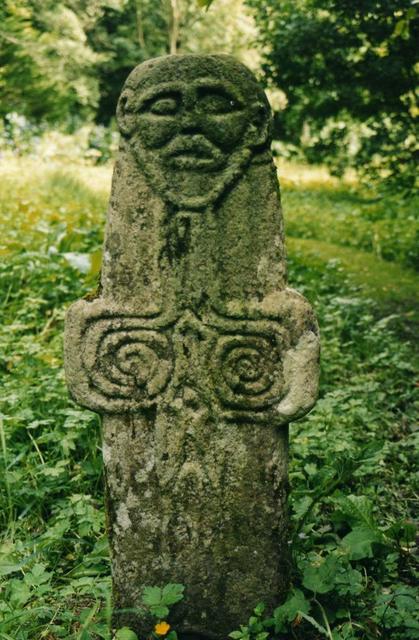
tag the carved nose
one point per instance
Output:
(190, 122)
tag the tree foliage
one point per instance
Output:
(47, 67)
(349, 72)
(131, 31)
(66, 61)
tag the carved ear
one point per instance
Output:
(124, 113)
(259, 130)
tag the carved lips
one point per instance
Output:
(193, 153)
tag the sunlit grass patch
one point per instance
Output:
(382, 281)
(321, 207)
(299, 175)
(50, 207)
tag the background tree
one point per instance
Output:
(65, 62)
(47, 67)
(131, 31)
(349, 72)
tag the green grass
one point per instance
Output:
(341, 213)
(385, 282)
(352, 459)
(394, 288)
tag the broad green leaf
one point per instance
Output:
(151, 596)
(295, 604)
(19, 593)
(7, 565)
(320, 577)
(37, 576)
(359, 542)
(9, 559)
(349, 581)
(159, 610)
(125, 634)
(172, 593)
(356, 510)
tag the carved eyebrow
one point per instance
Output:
(163, 96)
(207, 87)
(162, 90)
(228, 101)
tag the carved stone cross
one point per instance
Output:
(195, 352)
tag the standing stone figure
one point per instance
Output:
(195, 352)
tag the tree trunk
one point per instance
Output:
(174, 26)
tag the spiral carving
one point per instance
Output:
(247, 371)
(127, 364)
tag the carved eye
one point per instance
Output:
(163, 106)
(217, 102)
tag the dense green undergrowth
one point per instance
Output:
(352, 465)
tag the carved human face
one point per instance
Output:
(194, 134)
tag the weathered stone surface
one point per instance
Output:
(195, 352)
